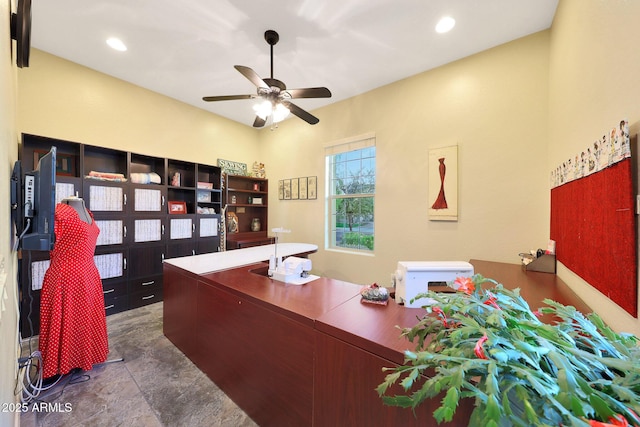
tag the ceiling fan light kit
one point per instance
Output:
(275, 104)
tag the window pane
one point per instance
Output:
(352, 177)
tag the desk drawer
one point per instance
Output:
(114, 289)
(147, 284)
(140, 299)
(113, 305)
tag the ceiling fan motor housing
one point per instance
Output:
(271, 37)
(275, 83)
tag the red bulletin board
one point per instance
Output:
(594, 225)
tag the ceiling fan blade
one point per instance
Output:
(227, 97)
(310, 92)
(252, 76)
(304, 115)
(259, 122)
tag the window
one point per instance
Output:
(351, 183)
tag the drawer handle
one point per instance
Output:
(109, 306)
(162, 200)
(148, 297)
(125, 199)
(125, 231)
(148, 283)
(108, 291)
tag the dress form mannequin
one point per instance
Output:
(78, 204)
(73, 330)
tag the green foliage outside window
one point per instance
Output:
(351, 192)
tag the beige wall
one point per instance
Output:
(8, 261)
(594, 82)
(492, 105)
(61, 99)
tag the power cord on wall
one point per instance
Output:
(29, 383)
(32, 385)
(30, 378)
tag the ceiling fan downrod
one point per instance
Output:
(272, 38)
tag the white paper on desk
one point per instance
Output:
(302, 280)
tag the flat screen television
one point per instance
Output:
(39, 205)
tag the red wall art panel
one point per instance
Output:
(594, 225)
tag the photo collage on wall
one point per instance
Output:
(613, 147)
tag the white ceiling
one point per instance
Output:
(187, 49)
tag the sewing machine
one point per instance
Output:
(290, 270)
(413, 277)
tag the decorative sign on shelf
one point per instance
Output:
(232, 168)
(259, 170)
(304, 188)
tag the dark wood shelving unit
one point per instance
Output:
(247, 198)
(137, 230)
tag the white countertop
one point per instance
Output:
(216, 261)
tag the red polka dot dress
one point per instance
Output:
(73, 329)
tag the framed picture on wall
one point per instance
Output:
(281, 189)
(312, 187)
(302, 186)
(287, 189)
(295, 189)
(442, 170)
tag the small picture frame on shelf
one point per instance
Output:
(177, 207)
(207, 185)
(256, 201)
(65, 163)
(204, 196)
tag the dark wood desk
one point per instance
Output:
(252, 336)
(355, 341)
(534, 286)
(311, 354)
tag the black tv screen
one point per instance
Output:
(40, 204)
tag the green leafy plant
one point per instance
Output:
(488, 345)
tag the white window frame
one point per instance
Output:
(340, 147)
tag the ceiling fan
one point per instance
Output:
(277, 98)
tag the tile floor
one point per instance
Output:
(155, 385)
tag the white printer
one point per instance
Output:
(413, 278)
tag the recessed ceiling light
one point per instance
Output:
(445, 24)
(116, 44)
